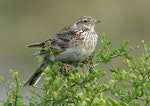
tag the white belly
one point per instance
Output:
(74, 54)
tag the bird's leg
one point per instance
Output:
(65, 67)
(88, 64)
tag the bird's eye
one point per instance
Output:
(85, 21)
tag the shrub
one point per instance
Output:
(116, 85)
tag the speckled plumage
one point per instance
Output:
(73, 43)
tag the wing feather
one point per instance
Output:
(58, 43)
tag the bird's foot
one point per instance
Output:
(65, 68)
(88, 64)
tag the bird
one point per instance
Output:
(73, 44)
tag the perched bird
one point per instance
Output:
(73, 44)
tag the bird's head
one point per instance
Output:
(86, 23)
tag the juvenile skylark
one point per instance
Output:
(73, 44)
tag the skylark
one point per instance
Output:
(73, 44)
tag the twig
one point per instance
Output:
(16, 96)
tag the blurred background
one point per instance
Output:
(28, 21)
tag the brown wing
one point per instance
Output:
(58, 43)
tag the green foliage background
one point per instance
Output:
(93, 86)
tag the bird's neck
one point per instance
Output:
(91, 29)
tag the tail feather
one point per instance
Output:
(36, 45)
(37, 74)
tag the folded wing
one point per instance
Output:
(59, 43)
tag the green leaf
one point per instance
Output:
(112, 102)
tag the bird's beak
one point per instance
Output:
(97, 21)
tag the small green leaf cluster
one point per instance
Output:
(14, 96)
